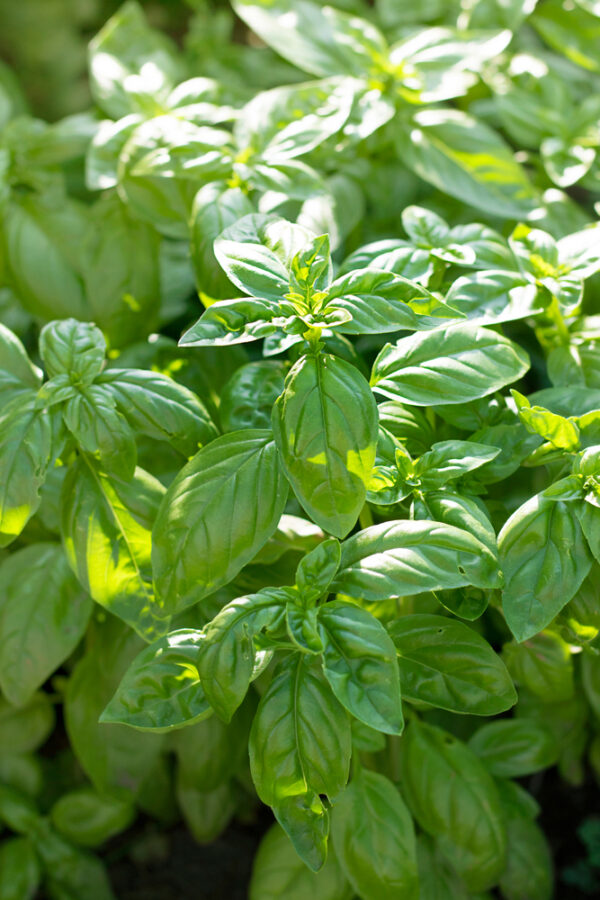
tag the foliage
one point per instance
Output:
(300, 444)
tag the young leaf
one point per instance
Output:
(448, 365)
(73, 348)
(448, 460)
(217, 514)
(448, 665)
(359, 662)
(161, 689)
(317, 569)
(373, 835)
(325, 426)
(396, 559)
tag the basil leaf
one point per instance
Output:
(158, 407)
(448, 665)
(462, 157)
(448, 460)
(37, 637)
(448, 365)
(299, 747)
(228, 654)
(359, 662)
(161, 689)
(545, 559)
(542, 665)
(512, 748)
(73, 348)
(233, 492)
(100, 430)
(20, 871)
(115, 758)
(325, 427)
(323, 40)
(106, 529)
(232, 322)
(14, 362)
(374, 838)
(397, 559)
(317, 569)
(453, 798)
(249, 395)
(88, 819)
(30, 440)
(279, 872)
(121, 53)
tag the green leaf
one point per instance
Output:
(248, 397)
(72, 348)
(320, 40)
(490, 297)
(459, 511)
(70, 872)
(279, 872)
(232, 322)
(562, 433)
(545, 559)
(14, 361)
(448, 665)
(317, 569)
(448, 460)
(246, 254)
(88, 819)
(206, 813)
(373, 835)
(589, 519)
(359, 662)
(228, 654)
(529, 872)
(211, 752)
(454, 799)
(161, 689)
(43, 616)
(543, 666)
(325, 426)
(448, 365)
(159, 407)
(106, 529)
(513, 748)
(217, 514)
(573, 32)
(381, 301)
(122, 271)
(100, 430)
(30, 441)
(396, 559)
(41, 243)
(437, 878)
(25, 728)
(465, 158)
(130, 63)
(215, 208)
(300, 747)
(115, 758)
(20, 873)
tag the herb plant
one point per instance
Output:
(300, 445)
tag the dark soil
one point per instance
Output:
(149, 864)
